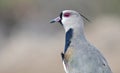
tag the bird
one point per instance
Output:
(79, 55)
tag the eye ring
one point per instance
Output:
(66, 14)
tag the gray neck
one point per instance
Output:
(78, 36)
(74, 33)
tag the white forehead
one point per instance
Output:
(70, 11)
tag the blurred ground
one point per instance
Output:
(30, 44)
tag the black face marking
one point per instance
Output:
(61, 15)
(61, 18)
(68, 37)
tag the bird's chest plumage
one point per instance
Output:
(67, 58)
(68, 55)
(70, 60)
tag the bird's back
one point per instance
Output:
(86, 59)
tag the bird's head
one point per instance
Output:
(69, 19)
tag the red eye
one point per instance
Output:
(67, 14)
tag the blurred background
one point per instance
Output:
(30, 44)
